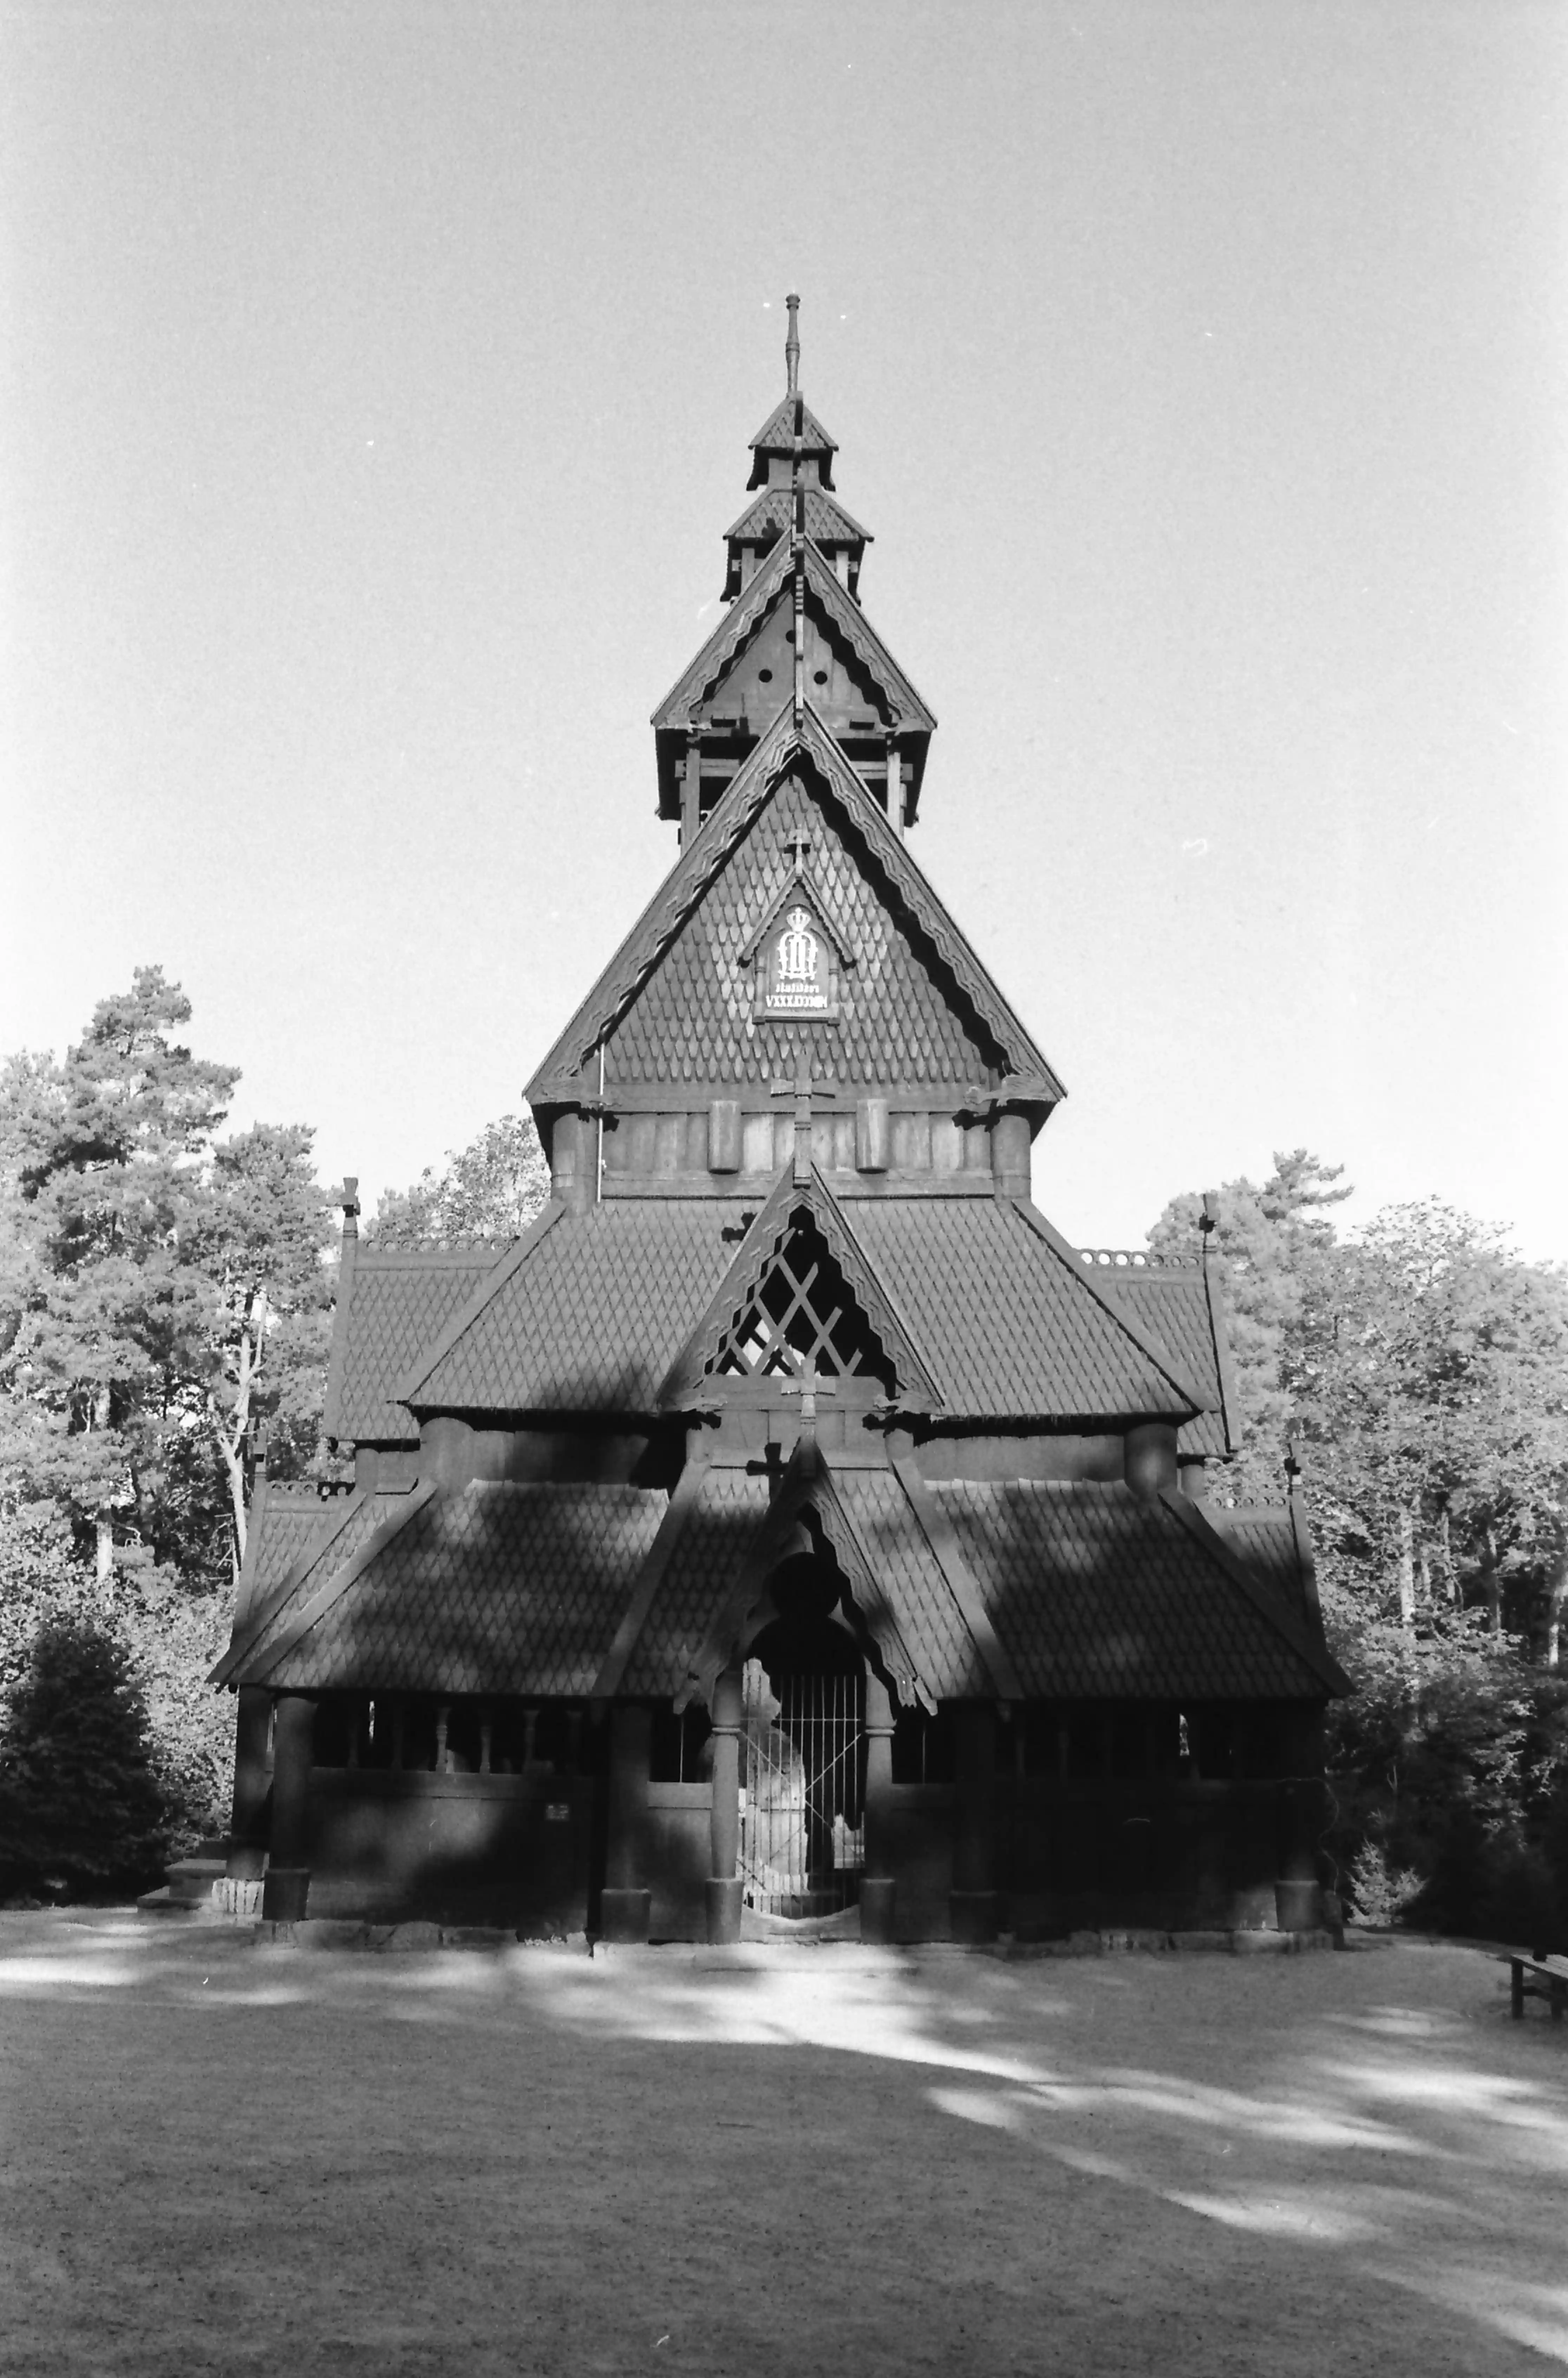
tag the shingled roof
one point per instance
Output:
(825, 522)
(503, 1589)
(1101, 1594)
(349, 1523)
(957, 1025)
(1178, 1303)
(284, 1525)
(777, 434)
(1010, 1326)
(745, 616)
(590, 1314)
(393, 1306)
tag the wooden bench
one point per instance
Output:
(1550, 1981)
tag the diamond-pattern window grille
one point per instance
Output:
(802, 1316)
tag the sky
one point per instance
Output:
(376, 388)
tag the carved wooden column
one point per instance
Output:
(723, 1886)
(972, 1901)
(287, 1887)
(625, 1901)
(877, 1883)
(253, 1783)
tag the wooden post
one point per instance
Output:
(1150, 1457)
(691, 792)
(253, 1783)
(877, 1881)
(972, 1900)
(625, 1902)
(1009, 1153)
(287, 1887)
(724, 1887)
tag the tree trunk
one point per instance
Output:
(1493, 1583)
(1407, 1572)
(103, 1528)
(1556, 1593)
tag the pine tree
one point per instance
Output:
(79, 1803)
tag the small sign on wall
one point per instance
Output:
(557, 1812)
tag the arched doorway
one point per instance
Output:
(802, 1827)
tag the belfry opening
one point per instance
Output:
(792, 1529)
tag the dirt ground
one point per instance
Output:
(219, 2157)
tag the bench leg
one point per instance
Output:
(1517, 1970)
(1559, 1990)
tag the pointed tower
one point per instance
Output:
(793, 633)
(791, 1528)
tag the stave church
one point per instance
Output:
(791, 1533)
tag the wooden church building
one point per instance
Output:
(791, 1531)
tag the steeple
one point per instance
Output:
(791, 461)
(793, 633)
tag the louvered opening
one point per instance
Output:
(802, 1317)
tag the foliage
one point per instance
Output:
(171, 1636)
(1419, 1369)
(159, 1294)
(1378, 1896)
(492, 1189)
(80, 1807)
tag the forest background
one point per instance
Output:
(165, 1302)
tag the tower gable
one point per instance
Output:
(677, 1004)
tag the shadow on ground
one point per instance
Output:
(220, 2157)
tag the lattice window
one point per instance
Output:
(802, 1315)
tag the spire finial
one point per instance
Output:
(792, 347)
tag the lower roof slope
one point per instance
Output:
(1090, 1592)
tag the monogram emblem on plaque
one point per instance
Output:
(795, 972)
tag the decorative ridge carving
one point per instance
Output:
(1137, 1259)
(725, 641)
(868, 646)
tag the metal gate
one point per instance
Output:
(802, 1833)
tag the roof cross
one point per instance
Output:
(798, 844)
(809, 1387)
(802, 1088)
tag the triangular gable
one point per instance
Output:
(693, 1374)
(745, 619)
(895, 878)
(808, 1492)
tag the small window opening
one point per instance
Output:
(682, 1748)
(764, 676)
(923, 1750)
(819, 676)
